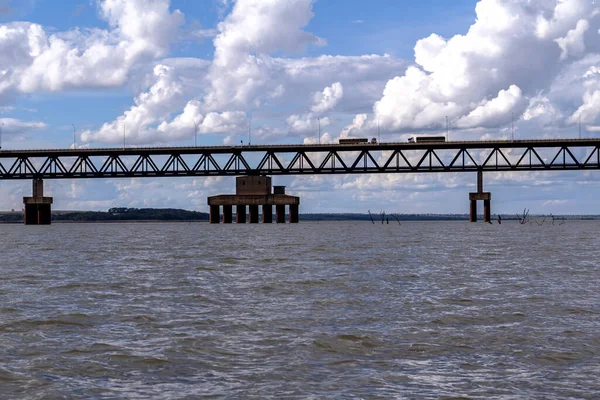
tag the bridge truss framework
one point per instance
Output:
(523, 155)
(364, 158)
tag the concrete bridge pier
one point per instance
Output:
(280, 214)
(486, 197)
(251, 193)
(487, 210)
(214, 215)
(38, 209)
(253, 213)
(227, 214)
(473, 213)
(294, 215)
(267, 214)
(240, 214)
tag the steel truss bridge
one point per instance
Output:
(469, 156)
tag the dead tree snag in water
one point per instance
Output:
(371, 217)
(523, 219)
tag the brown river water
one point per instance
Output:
(426, 310)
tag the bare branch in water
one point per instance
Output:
(523, 219)
(544, 220)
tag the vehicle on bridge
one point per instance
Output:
(357, 140)
(426, 139)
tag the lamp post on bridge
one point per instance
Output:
(249, 131)
(319, 119)
(195, 134)
(447, 130)
(74, 130)
(1, 125)
(512, 126)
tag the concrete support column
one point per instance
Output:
(473, 215)
(37, 214)
(38, 209)
(280, 214)
(267, 214)
(215, 215)
(253, 214)
(487, 211)
(479, 181)
(38, 188)
(294, 217)
(486, 197)
(240, 214)
(227, 214)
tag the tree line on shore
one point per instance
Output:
(172, 214)
(118, 214)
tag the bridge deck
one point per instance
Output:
(287, 148)
(302, 159)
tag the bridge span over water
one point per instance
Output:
(300, 159)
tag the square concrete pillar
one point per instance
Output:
(227, 214)
(267, 214)
(38, 188)
(280, 214)
(473, 214)
(294, 216)
(240, 214)
(253, 211)
(38, 209)
(215, 215)
(37, 214)
(487, 211)
(486, 197)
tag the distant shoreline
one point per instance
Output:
(148, 215)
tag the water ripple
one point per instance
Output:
(422, 310)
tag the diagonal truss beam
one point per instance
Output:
(273, 160)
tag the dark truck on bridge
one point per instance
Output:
(426, 139)
(357, 140)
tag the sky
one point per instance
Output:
(85, 72)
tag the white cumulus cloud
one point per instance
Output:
(494, 112)
(34, 60)
(12, 125)
(328, 98)
(513, 51)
